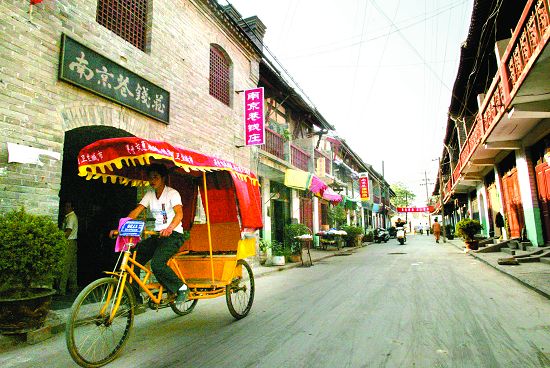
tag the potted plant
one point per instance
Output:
(291, 231)
(369, 236)
(278, 253)
(354, 235)
(337, 215)
(264, 246)
(467, 229)
(32, 249)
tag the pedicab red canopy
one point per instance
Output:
(123, 161)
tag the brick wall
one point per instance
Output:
(36, 109)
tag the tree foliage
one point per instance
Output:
(403, 195)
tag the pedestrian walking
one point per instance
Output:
(436, 229)
(427, 229)
(70, 227)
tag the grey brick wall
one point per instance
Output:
(36, 109)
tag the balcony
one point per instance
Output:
(299, 158)
(512, 85)
(274, 144)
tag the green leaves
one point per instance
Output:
(403, 196)
(32, 248)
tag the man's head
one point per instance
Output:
(156, 174)
(68, 207)
(435, 219)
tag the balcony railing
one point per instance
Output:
(274, 144)
(299, 158)
(526, 44)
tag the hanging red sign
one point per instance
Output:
(364, 186)
(415, 209)
(254, 122)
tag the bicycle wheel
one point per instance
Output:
(91, 339)
(183, 308)
(239, 294)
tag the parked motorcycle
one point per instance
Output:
(401, 235)
(381, 235)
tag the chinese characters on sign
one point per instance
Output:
(364, 186)
(254, 127)
(415, 209)
(87, 69)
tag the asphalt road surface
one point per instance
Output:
(417, 305)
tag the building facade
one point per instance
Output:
(495, 157)
(77, 71)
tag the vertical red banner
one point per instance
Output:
(364, 186)
(254, 121)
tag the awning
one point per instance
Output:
(299, 179)
(330, 195)
(350, 203)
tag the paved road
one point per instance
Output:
(417, 305)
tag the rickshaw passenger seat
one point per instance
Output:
(225, 237)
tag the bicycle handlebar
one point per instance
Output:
(145, 232)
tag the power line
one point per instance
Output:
(392, 29)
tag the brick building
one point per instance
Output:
(191, 51)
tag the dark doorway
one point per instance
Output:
(98, 206)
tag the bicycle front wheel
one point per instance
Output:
(93, 337)
(239, 294)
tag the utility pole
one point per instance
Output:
(441, 198)
(426, 183)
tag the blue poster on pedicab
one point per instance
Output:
(131, 228)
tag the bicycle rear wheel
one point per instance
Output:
(239, 294)
(93, 340)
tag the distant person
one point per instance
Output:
(499, 222)
(400, 223)
(427, 228)
(70, 227)
(436, 229)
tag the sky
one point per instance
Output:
(380, 71)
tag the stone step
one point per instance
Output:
(524, 245)
(545, 260)
(508, 250)
(529, 259)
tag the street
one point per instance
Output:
(418, 305)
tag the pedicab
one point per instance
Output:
(211, 262)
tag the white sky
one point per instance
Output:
(380, 71)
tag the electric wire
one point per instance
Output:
(392, 29)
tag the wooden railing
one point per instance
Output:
(299, 158)
(274, 144)
(526, 44)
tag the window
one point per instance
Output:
(126, 18)
(220, 75)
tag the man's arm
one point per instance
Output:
(136, 211)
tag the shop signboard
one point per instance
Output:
(364, 186)
(415, 209)
(254, 121)
(87, 69)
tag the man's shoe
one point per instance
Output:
(182, 295)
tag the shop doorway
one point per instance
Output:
(98, 206)
(512, 203)
(543, 188)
